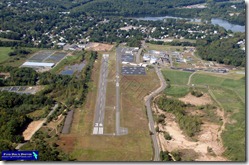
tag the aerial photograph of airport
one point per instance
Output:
(123, 81)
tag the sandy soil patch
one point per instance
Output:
(208, 137)
(32, 128)
(203, 100)
(99, 46)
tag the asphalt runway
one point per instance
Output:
(118, 60)
(119, 130)
(98, 128)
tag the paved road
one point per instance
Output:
(139, 52)
(100, 105)
(150, 116)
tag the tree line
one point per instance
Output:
(189, 124)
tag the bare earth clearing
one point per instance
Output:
(208, 137)
(32, 128)
(204, 100)
(99, 46)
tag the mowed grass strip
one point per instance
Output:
(4, 53)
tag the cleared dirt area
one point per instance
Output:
(31, 129)
(206, 147)
(203, 100)
(99, 46)
(207, 138)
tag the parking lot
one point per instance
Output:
(41, 56)
(47, 56)
(56, 57)
(133, 70)
(127, 58)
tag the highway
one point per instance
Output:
(98, 128)
(150, 116)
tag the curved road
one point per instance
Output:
(150, 116)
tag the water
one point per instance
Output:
(227, 25)
(215, 21)
(165, 17)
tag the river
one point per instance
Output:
(215, 21)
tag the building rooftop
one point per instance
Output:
(38, 64)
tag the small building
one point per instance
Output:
(153, 60)
(146, 58)
(61, 44)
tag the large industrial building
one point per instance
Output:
(38, 64)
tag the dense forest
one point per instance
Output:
(133, 7)
(13, 119)
(223, 10)
(225, 51)
(215, 8)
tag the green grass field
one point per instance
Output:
(234, 135)
(4, 51)
(177, 91)
(176, 77)
(163, 47)
(229, 92)
(14, 61)
(185, 40)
